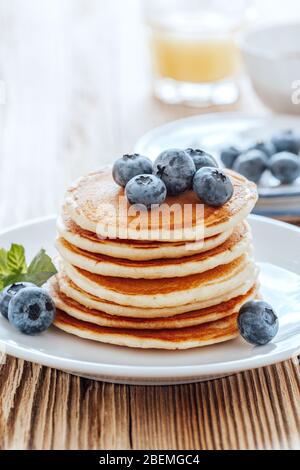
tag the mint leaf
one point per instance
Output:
(40, 269)
(11, 279)
(41, 263)
(3, 262)
(38, 279)
(13, 267)
(16, 262)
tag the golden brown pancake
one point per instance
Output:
(92, 302)
(136, 250)
(173, 277)
(182, 338)
(233, 248)
(164, 292)
(76, 310)
(97, 204)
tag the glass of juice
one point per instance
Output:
(193, 47)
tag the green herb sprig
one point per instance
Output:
(13, 267)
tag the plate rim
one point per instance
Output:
(211, 116)
(141, 371)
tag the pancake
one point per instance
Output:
(182, 338)
(97, 204)
(74, 309)
(74, 292)
(155, 293)
(237, 244)
(136, 250)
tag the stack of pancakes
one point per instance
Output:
(155, 286)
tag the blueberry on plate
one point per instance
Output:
(229, 155)
(257, 322)
(212, 186)
(251, 164)
(7, 294)
(267, 147)
(285, 166)
(201, 158)
(286, 141)
(146, 190)
(128, 166)
(31, 310)
(176, 168)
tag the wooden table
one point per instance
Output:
(77, 85)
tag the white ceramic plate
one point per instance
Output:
(212, 132)
(278, 251)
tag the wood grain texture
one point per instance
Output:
(78, 86)
(42, 408)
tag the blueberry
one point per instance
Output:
(128, 166)
(285, 166)
(146, 190)
(7, 294)
(257, 322)
(201, 158)
(213, 186)
(251, 164)
(267, 147)
(176, 168)
(31, 310)
(229, 155)
(287, 141)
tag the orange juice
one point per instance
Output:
(194, 49)
(194, 60)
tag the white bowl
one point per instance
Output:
(272, 57)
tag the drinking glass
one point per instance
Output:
(193, 48)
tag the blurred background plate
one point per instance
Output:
(212, 132)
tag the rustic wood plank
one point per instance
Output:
(41, 408)
(49, 409)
